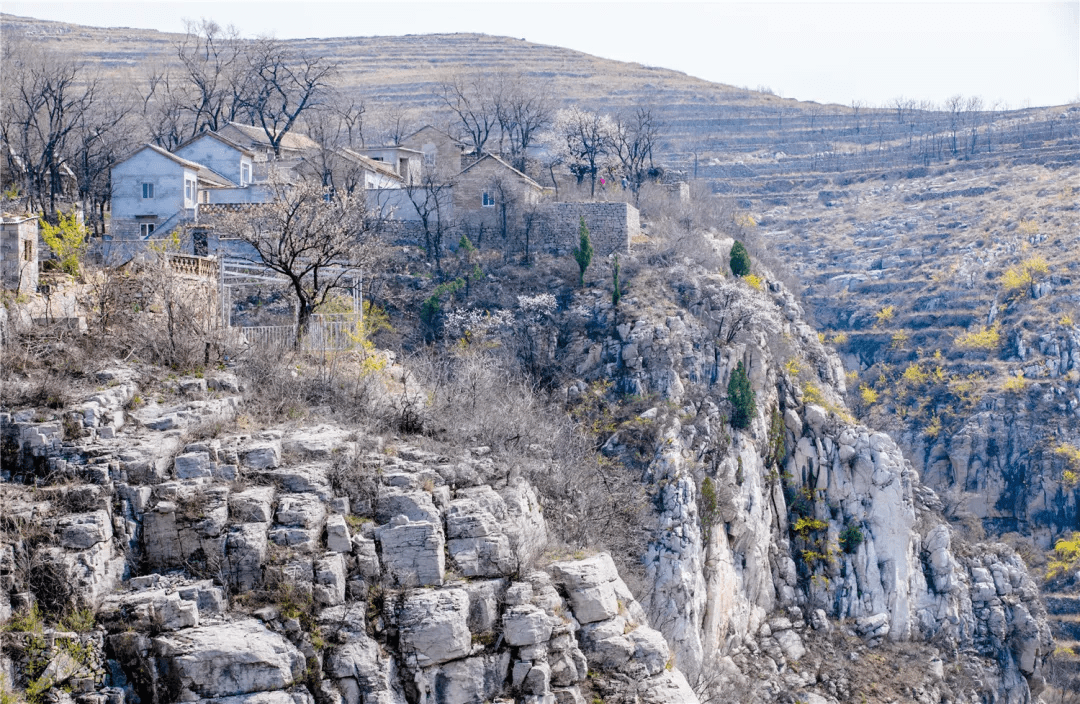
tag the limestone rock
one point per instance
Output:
(525, 625)
(434, 626)
(85, 530)
(245, 553)
(300, 510)
(193, 465)
(412, 553)
(475, 679)
(590, 583)
(330, 580)
(474, 539)
(337, 534)
(254, 505)
(265, 455)
(228, 660)
(416, 505)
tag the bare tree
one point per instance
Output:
(856, 110)
(214, 70)
(286, 84)
(45, 98)
(523, 109)
(508, 203)
(634, 138)
(954, 106)
(734, 316)
(163, 107)
(474, 101)
(349, 112)
(973, 109)
(102, 136)
(431, 197)
(903, 107)
(317, 240)
(336, 127)
(389, 124)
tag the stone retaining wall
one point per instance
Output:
(611, 226)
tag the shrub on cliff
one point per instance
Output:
(742, 398)
(583, 253)
(740, 259)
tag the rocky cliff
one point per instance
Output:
(803, 513)
(785, 561)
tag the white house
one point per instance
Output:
(406, 163)
(221, 155)
(155, 191)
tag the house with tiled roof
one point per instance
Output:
(253, 138)
(155, 191)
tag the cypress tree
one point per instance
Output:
(740, 259)
(617, 293)
(583, 253)
(742, 398)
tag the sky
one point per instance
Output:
(1016, 54)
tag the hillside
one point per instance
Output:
(923, 211)
(553, 502)
(919, 276)
(402, 73)
(713, 131)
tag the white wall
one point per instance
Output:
(250, 194)
(217, 156)
(128, 177)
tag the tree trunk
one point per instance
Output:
(303, 312)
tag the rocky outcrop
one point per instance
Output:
(298, 564)
(262, 586)
(1000, 465)
(228, 660)
(806, 513)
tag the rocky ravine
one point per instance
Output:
(714, 591)
(316, 563)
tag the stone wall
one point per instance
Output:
(19, 254)
(611, 226)
(552, 228)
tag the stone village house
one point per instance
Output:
(155, 192)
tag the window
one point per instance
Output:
(245, 174)
(148, 190)
(204, 196)
(146, 229)
(28, 250)
(189, 190)
(489, 200)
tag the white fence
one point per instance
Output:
(325, 333)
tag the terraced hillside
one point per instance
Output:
(953, 295)
(715, 131)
